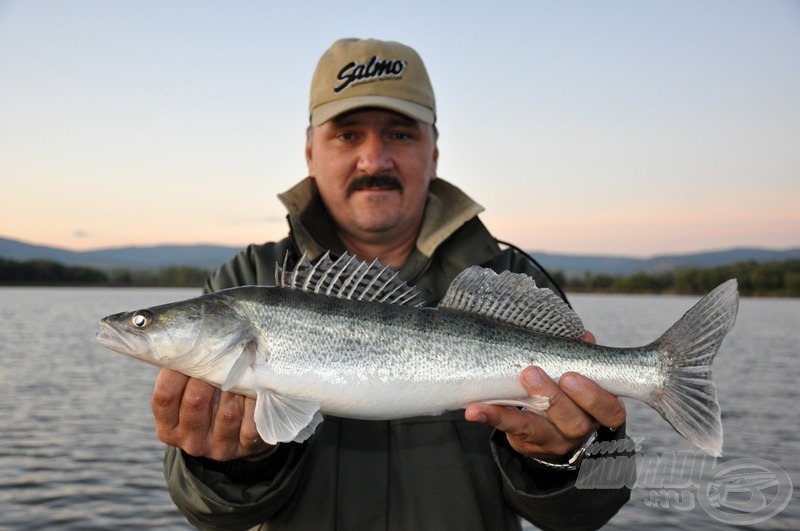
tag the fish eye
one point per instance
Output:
(142, 318)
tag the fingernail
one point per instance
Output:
(569, 382)
(471, 416)
(533, 377)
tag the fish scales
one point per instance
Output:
(389, 371)
(302, 353)
(307, 332)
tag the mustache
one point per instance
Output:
(386, 182)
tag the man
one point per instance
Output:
(372, 191)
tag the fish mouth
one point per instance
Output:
(112, 338)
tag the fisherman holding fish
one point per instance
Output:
(373, 192)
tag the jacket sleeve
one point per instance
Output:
(556, 499)
(210, 499)
(236, 494)
(254, 266)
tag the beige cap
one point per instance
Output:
(355, 73)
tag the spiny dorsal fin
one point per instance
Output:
(348, 278)
(513, 298)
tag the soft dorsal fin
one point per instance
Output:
(348, 278)
(513, 298)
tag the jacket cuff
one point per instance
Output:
(532, 477)
(244, 472)
(211, 500)
(551, 499)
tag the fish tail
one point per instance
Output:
(688, 399)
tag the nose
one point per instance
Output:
(374, 156)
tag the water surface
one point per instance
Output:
(78, 449)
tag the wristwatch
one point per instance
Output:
(575, 461)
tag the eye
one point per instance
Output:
(142, 318)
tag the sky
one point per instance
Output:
(617, 128)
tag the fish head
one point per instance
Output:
(178, 335)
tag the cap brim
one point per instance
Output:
(328, 111)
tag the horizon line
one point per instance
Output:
(529, 251)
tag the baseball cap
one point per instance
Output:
(357, 73)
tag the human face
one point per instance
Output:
(372, 168)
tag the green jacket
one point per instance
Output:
(417, 473)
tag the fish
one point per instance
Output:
(350, 339)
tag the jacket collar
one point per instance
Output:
(447, 209)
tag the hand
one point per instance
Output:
(204, 421)
(578, 406)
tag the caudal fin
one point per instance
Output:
(688, 398)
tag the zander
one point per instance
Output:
(348, 338)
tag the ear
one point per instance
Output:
(435, 162)
(309, 151)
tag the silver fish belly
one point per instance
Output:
(347, 338)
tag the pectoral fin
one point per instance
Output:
(245, 361)
(283, 419)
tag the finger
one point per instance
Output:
(226, 423)
(249, 433)
(603, 406)
(522, 425)
(167, 394)
(569, 418)
(253, 445)
(589, 337)
(233, 434)
(196, 416)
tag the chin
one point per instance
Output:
(379, 223)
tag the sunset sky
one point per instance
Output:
(624, 127)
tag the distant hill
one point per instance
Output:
(156, 257)
(211, 256)
(576, 265)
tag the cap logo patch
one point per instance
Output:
(375, 69)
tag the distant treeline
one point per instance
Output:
(774, 279)
(759, 279)
(50, 273)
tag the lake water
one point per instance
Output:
(78, 450)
